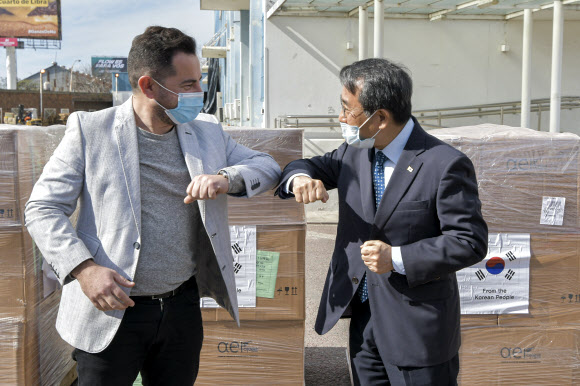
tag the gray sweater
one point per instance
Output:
(169, 228)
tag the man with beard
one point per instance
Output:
(142, 255)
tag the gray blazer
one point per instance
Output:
(97, 166)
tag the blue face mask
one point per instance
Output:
(189, 105)
(351, 135)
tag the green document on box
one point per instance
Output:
(266, 273)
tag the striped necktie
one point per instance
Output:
(379, 185)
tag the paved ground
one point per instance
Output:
(325, 359)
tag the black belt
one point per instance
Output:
(166, 294)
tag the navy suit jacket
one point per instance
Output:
(431, 209)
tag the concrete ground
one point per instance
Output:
(325, 356)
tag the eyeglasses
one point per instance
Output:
(349, 111)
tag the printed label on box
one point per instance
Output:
(552, 210)
(500, 283)
(243, 240)
(267, 272)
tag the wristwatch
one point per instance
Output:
(225, 174)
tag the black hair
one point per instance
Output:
(152, 53)
(382, 84)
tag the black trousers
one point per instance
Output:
(162, 340)
(369, 369)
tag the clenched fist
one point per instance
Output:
(307, 190)
(377, 256)
(206, 186)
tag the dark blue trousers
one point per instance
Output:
(369, 369)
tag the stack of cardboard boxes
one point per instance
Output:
(32, 351)
(268, 347)
(516, 168)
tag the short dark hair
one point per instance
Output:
(152, 52)
(383, 85)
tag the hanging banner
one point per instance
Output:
(500, 283)
(243, 240)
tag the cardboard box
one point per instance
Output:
(478, 321)
(23, 154)
(284, 145)
(20, 268)
(9, 211)
(554, 283)
(32, 351)
(289, 299)
(516, 168)
(519, 356)
(15, 351)
(257, 353)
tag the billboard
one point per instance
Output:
(107, 65)
(33, 19)
(8, 42)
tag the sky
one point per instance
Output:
(107, 27)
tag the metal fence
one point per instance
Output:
(433, 118)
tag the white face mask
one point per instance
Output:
(351, 135)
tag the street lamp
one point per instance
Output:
(41, 113)
(116, 87)
(71, 74)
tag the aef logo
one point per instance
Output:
(236, 347)
(519, 353)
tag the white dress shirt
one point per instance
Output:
(393, 152)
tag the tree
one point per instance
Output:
(84, 82)
(28, 85)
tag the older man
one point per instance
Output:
(409, 218)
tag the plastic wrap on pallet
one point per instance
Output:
(281, 277)
(528, 184)
(257, 353)
(280, 229)
(520, 356)
(284, 145)
(33, 353)
(516, 168)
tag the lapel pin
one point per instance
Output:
(410, 169)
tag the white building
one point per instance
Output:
(283, 57)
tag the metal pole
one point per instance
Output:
(379, 28)
(116, 89)
(557, 43)
(527, 69)
(539, 117)
(41, 115)
(363, 19)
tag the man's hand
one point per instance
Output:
(206, 186)
(307, 190)
(377, 256)
(101, 286)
